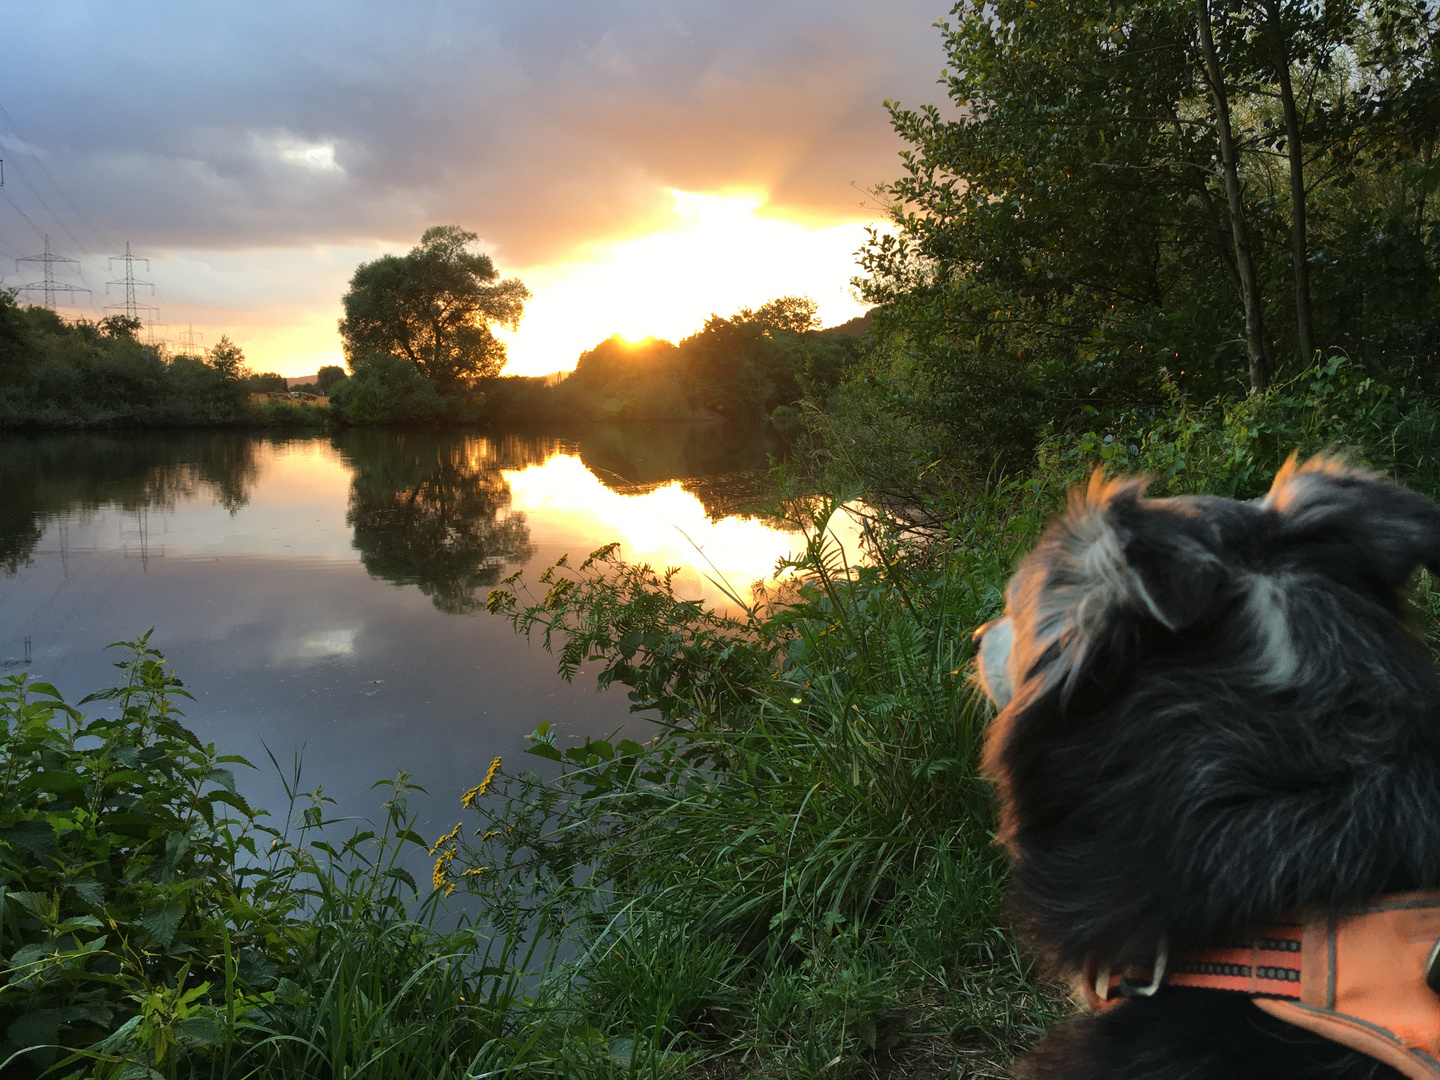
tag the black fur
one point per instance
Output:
(1216, 718)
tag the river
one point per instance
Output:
(324, 597)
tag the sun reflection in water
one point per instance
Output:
(667, 526)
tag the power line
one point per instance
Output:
(16, 207)
(104, 240)
(79, 246)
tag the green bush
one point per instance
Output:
(386, 389)
(120, 898)
(1233, 446)
(153, 925)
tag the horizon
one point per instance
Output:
(639, 166)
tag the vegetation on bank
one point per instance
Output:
(756, 363)
(84, 375)
(794, 877)
(1130, 199)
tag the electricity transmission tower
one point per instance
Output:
(49, 286)
(191, 341)
(130, 307)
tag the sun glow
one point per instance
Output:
(723, 255)
(665, 527)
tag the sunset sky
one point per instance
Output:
(638, 164)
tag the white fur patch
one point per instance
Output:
(1265, 611)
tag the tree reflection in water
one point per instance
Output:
(48, 477)
(725, 466)
(433, 511)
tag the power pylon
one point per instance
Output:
(190, 342)
(156, 339)
(130, 307)
(49, 287)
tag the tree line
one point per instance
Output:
(59, 373)
(1126, 199)
(419, 342)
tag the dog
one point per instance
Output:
(1215, 716)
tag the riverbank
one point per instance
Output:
(793, 877)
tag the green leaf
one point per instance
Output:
(162, 923)
(92, 892)
(399, 873)
(36, 837)
(197, 1031)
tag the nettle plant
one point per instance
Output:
(120, 902)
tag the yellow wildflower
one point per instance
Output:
(441, 879)
(478, 791)
(449, 836)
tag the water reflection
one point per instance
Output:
(265, 566)
(48, 478)
(723, 465)
(446, 513)
(433, 512)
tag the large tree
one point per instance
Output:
(435, 307)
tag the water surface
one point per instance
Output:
(328, 593)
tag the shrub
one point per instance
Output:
(119, 892)
(386, 389)
(153, 925)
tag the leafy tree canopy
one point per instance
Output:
(328, 376)
(1122, 193)
(434, 307)
(227, 358)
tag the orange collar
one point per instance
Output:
(1370, 981)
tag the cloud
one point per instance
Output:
(543, 126)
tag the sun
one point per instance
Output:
(722, 254)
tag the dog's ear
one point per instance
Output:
(1117, 552)
(1112, 564)
(1354, 520)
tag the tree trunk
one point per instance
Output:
(1207, 203)
(1299, 245)
(1244, 262)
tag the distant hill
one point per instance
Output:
(856, 327)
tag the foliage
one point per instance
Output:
(119, 839)
(153, 925)
(327, 377)
(1233, 446)
(59, 374)
(386, 389)
(227, 359)
(1063, 233)
(433, 307)
(803, 847)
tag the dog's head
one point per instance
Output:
(1161, 660)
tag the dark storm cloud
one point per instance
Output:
(540, 125)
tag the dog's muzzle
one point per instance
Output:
(993, 642)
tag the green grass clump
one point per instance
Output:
(796, 875)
